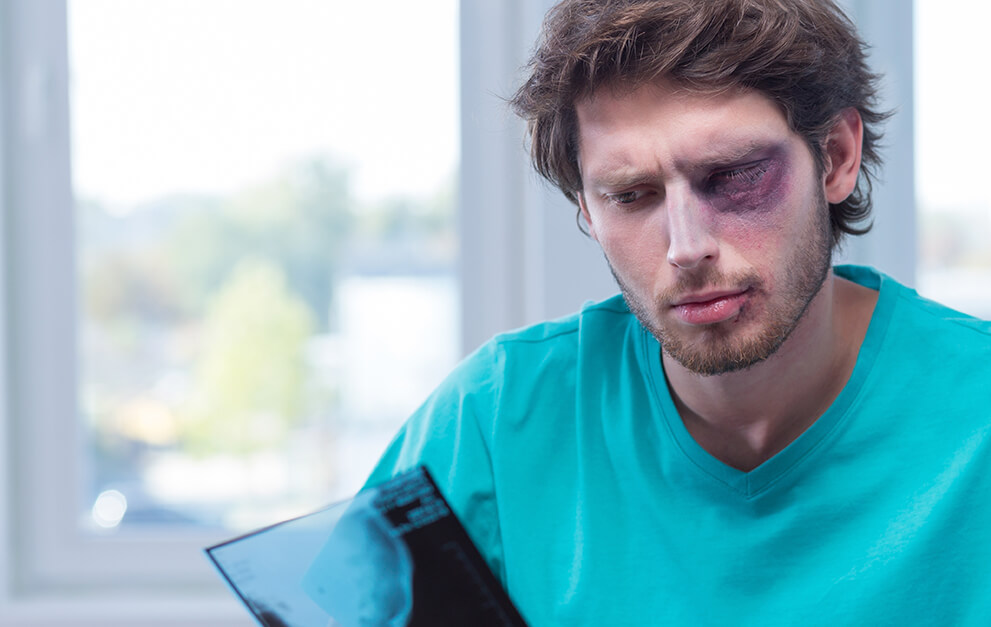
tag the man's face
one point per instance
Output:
(711, 214)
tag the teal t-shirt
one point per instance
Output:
(560, 448)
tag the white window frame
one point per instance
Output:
(51, 572)
(523, 259)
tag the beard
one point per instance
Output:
(729, 346)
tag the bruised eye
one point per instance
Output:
(738, 178)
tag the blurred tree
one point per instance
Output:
(251, 379)
(299, 221)
(198, 289)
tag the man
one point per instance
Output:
(748, 435)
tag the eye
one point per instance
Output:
(735, 179)
(626, 199)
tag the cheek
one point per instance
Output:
(757, 236)
(635, 252)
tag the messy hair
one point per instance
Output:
(805, 55)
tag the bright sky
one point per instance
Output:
(208, 95)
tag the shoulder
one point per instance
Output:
(925, 355)
(928, 313)
(596, 326)
(926, 322)
(526, 372)
(590, 319)
(917, 319)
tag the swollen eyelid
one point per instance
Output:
(748, 174)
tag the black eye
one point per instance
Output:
(741, 177)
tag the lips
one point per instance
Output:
(710, 307)
(707, 297)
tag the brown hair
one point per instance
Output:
(805, 55)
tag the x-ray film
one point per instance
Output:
(395, 555)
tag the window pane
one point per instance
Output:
(266, 247)
(953, 132)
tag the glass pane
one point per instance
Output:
(266, 247)
(953, 131)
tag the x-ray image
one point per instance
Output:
(395, 555)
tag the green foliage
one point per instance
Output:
(299, 221)
(251, 380)
(206, 303)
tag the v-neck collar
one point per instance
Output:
(751, 484)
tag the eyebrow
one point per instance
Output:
(620, 177)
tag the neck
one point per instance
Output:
(744, 418)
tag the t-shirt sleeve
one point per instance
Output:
(446, 434)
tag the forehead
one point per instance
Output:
(666, 125)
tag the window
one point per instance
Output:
(953, 131)
(265, 236)
(248, 281)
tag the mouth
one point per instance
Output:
(706, 308)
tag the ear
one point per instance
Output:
(583, 208)
(842, 155)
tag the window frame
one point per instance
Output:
(888, 26)
(523, 260)
(49, 570)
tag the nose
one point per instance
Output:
(690, 238)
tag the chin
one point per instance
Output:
(729, 346)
